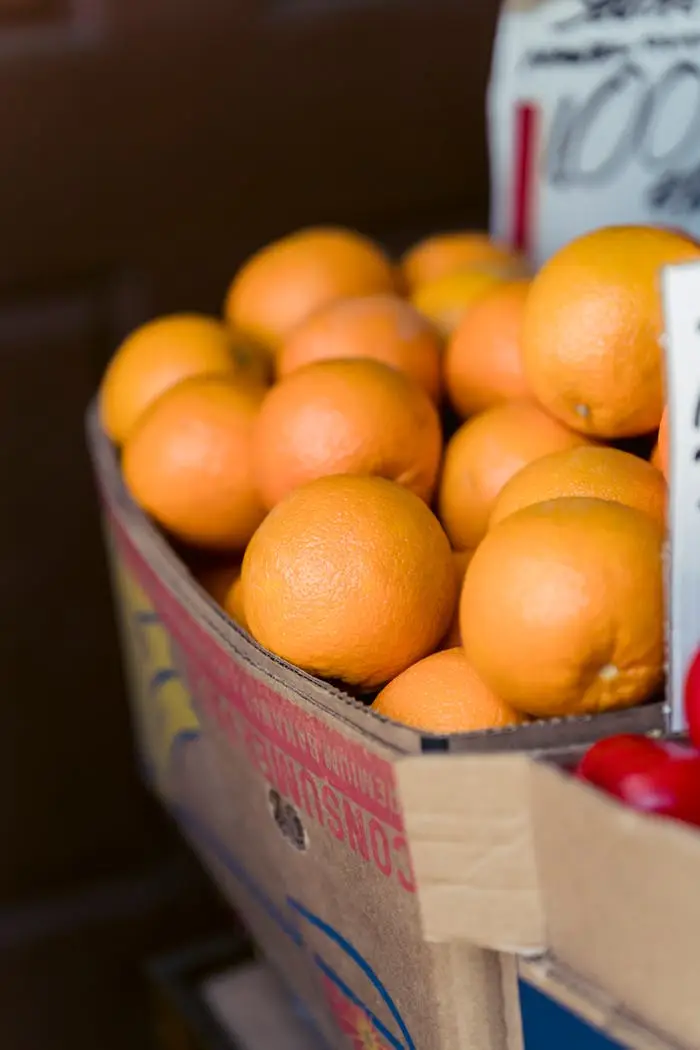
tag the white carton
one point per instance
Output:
(594, 118)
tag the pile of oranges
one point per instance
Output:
(507, 570)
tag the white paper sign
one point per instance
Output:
(681, 298)
(594, 118)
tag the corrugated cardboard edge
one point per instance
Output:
(592, 1004)
(468, 820)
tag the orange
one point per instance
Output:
(349, 578)
(562, 608)
(592, 327)
(223, 584)
(446, 300)
(483, 363)
(660, 454)
(483, 455)
(162, 353)
(444, 694)
(284, 283)
(383, 327)
(187, 462)
(346, 417)
(444, 253)
(605, 473)
(460, 562)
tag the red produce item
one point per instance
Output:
(648, 775)
(692, 699)
(670, 789)
(608, 761)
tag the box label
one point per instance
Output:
(681, 298)
(594, 118)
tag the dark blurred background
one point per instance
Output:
(146, 146)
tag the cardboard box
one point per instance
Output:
(622, 906)
(380, 869)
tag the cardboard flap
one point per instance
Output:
(468, 821)
(621, 897)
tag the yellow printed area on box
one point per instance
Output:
(161, 700)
